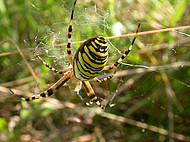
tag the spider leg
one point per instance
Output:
(91, 94)
(124, 55)
(108, 77)
(104, 79)
(50, 91)
(118, 62)
(69, 35)
(81, 97)
(50, 67)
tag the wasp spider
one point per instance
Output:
(89, 61)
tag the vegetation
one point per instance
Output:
(149, 94)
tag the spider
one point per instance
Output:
(89, 61)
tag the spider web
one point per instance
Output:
(139, 81)
(99, 21)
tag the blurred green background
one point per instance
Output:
(159, 97)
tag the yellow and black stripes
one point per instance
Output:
(104, 79)
(89, 61)
(127, 51)
(69, 35)
(117, 64)
(109, 76)
(50, 67)
(51, 90)
(90, 58)
(91, 94)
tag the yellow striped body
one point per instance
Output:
(90, 58)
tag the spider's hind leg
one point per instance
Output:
(50, 91)
(91, 94)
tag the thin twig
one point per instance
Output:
(170, 94)
(107, 38)
(134, 123)
(150, 32)
(23, 57)
(17, 82)
(152, 68)
(144, 126)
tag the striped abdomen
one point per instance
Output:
(90, 58)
